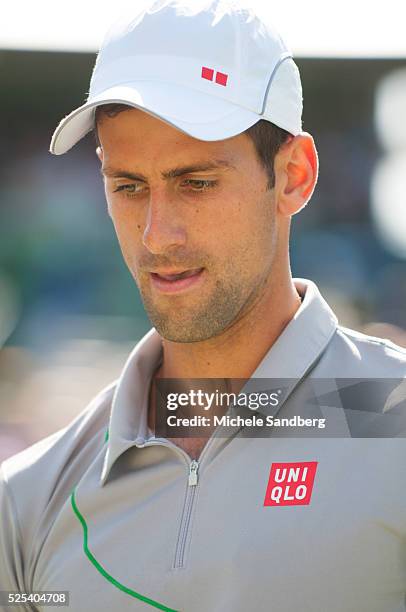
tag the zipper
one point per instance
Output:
(192, 483)
(186, 514)
(193, 469)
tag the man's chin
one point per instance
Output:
(191, 322)
(182, 331)
(181, 334)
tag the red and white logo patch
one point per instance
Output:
(208, 73)
(290, 484)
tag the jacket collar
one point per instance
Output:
(299, 346)
(128, 416)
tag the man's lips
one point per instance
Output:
(171, 281)
(176, 275)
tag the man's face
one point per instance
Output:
(216, 227)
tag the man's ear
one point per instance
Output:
(296, 172)
(99, 153)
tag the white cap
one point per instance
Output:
(211, 69)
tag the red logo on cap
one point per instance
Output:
(290, 484)
(208, 73)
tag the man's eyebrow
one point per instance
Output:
(214, 164)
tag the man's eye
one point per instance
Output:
(130, 188)
(200, 184)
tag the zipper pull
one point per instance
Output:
(194, 466)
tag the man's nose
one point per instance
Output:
(164, 228)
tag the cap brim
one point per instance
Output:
(197, 114)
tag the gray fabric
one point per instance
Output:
(214, 547)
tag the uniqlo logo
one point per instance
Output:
(290, 484)
(208, 73)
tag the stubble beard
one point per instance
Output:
(197, 322)
(202, 321)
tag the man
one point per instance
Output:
(197, 112)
